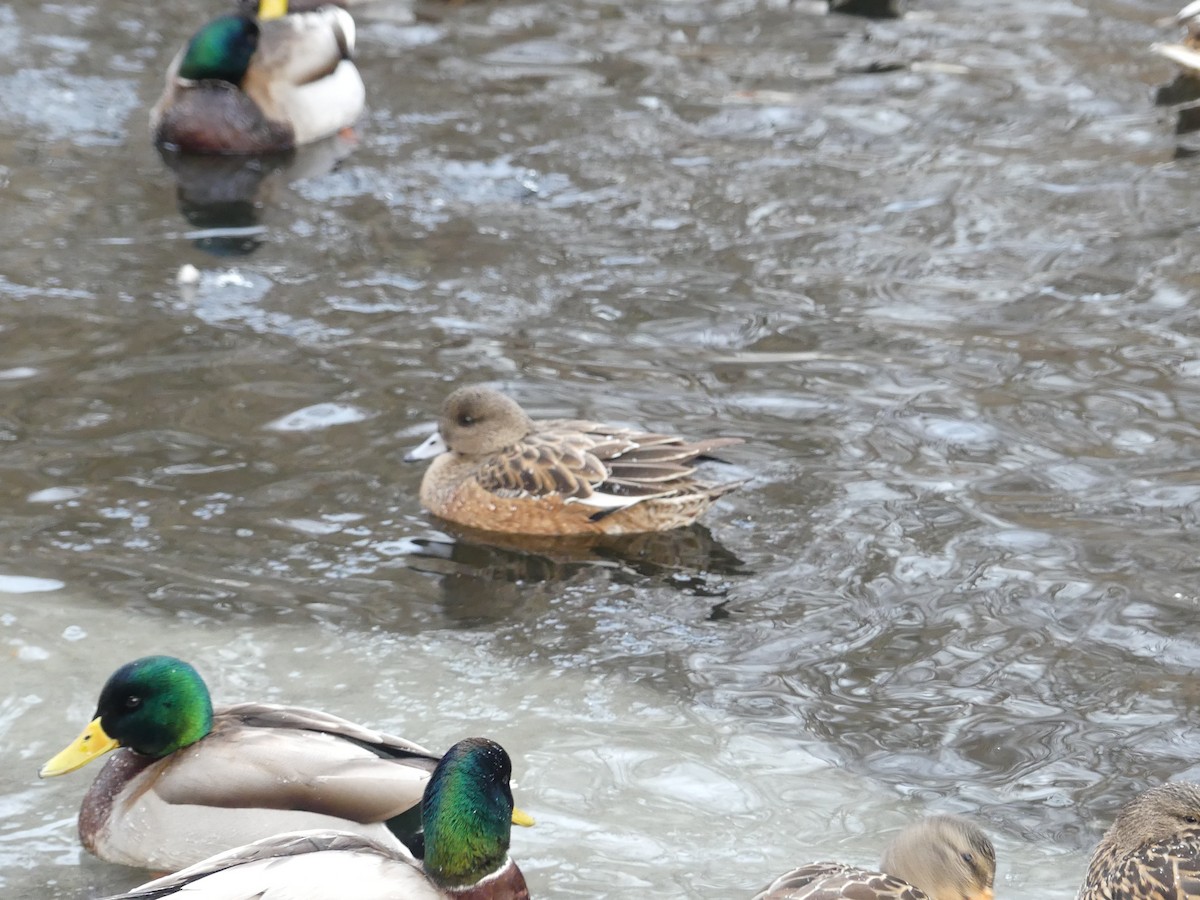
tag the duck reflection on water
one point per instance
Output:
(486, 576)
(224, 197)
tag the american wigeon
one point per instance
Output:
(261, 84)
(1152, 850)
(940, 858)
(496, 469)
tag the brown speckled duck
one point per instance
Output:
(939, 858)
(264, 83)
(1152, 850)
(468, 811)
(496, 469)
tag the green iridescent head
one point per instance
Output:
(221, 50)
(468, 813)
(155, 705)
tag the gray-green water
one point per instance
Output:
(949, 305)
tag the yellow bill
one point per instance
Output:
(271, 9)
(520, 817)
(91, 743)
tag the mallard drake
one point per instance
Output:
(939, 858)
(187, 781)
(246, 84)
(1187, 53)
(468, 810)
(496, 469)
(1152, 850)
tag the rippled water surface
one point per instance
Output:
(938, 272)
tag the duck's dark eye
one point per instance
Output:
(968, 858)
(466, 420)
(1191, 820)
(133, 701)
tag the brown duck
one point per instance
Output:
(496, 469)
(940, 858)
(1152, 850)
